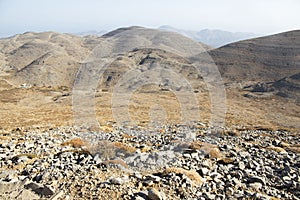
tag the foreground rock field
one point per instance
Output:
(168, 162)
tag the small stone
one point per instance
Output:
(97, 159)
(47, 191)
(154, 194)
(194, 155)
(142, 195)
(186, 155)
(204, 171)
(33, 186)
(138, 176)
(256, 186)
(210, 196)
(286, 178)
(241, 165)
(40, 189)
(57, 195)
(255, 179)
(119, 181)
(153, 178)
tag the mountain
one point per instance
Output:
(38, 72)
(44, 59)
(53, 59)
(212, 37)
(265, 59)
(92, 32)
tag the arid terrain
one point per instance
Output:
(178, 118)
(38, 72)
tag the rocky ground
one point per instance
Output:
(168, 162)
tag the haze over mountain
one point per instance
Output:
(212, 37)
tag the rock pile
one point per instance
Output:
(134, 163)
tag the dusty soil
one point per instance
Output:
(52, 107)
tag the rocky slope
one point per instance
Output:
(124, 163)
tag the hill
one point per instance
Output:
(265, 59)
(38, 70)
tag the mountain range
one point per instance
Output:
(212, 37)
(261, 75)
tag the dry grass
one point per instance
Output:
(276, 149)
(5, 137)
(124, 147)
(294, 148)
(28, 155)
(215, 153)
(124, 135)
(193, 175)
(35, 107)
(208, 148)
(76, 143)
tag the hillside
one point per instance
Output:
(265, 59)
(38, 71)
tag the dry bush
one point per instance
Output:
(276, 149)
(193, 175)
(4, 138)
(107, 129)
(76, 143)
(294, 148)
(208, 148)
(226, 160)
(284, 144)
(233, 133)
(215, 153)
(104, 148)
(124, 147)
(28, 155)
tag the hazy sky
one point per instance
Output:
(259, 16)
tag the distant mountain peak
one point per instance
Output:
(212, 37)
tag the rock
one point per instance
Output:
(47, 191)
(257, 179)
(256, 186)
(286, 178)
(119, 181)
(204, 171)
(241, 165)
(154, 194)
(142, 195)
(33, 186)
(7, 173)
(27, 195)
(9, 186)
(97, 159)
(153, 178)
(44, 190)
(209, 196)
(57, 195)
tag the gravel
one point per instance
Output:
(136, 163)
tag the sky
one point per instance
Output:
(73, 16)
